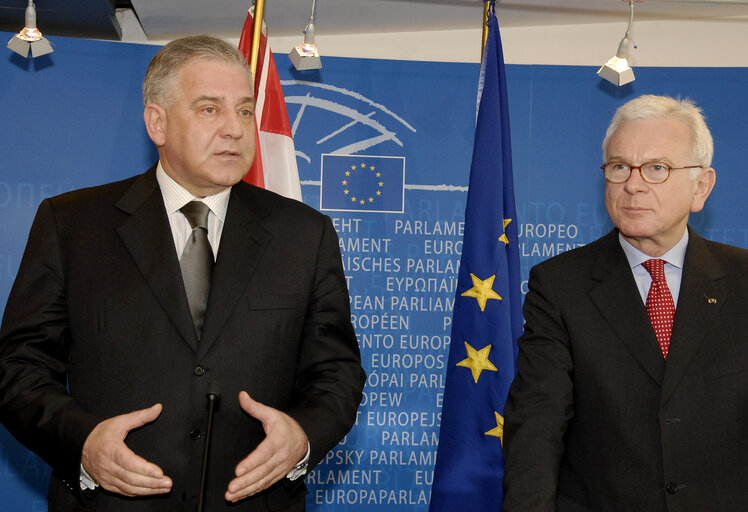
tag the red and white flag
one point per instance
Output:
(275, 162)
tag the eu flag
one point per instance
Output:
(487, 318)
(362, 183)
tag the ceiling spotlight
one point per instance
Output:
(30, 37)
(617, 70)
(305, 56)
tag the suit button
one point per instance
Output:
(195, 434)
(672, 487)
(198, 371)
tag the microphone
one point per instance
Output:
(214, 390)
(213, 394)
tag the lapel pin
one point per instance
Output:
(710, 300)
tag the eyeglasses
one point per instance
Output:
(651, 172)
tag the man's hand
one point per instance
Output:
(108, 460)
(285, 444)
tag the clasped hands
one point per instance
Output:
(116, 468)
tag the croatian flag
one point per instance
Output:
(274, 167)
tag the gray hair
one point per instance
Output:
(157, 85)
(664, 107)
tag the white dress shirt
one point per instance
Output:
(175, 197)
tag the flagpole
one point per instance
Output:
(485, 28)
(256, 33)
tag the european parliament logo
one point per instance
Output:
(362, 183)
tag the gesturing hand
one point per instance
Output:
(285, 444)
(108, 460)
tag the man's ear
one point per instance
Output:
(155, 123)
(704, 185)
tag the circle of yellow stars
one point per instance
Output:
(363, 166)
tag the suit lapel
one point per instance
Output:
(618, 299)
(703, 292)
(243, 241)
(147, 236)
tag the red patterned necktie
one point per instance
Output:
(660, 306)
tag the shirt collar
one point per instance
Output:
(175, 195)
(674, 256)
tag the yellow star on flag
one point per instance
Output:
(482, 290)
(477, 361)
(503, 237)
(498, 430)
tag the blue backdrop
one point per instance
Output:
(74, 118)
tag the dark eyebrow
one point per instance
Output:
(248, 99)
(217, 99)
(620, 159)
(200, 99)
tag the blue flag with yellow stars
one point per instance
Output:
(362, 183)
(487, 317)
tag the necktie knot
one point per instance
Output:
(196, 213)
(656, 269)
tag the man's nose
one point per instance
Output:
(232, 126)
(635, 181)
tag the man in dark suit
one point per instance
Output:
(618, 405)
(108, 353)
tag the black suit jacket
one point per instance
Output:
(97, 324)
(596, 420)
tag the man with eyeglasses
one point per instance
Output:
(632, 384)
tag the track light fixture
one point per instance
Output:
(305, 56)
(30, 37)
(617, 70)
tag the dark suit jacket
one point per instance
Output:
(98, 306)
(596, 420)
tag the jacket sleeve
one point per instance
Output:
(35, 406)
(330, 378)
(540, 403)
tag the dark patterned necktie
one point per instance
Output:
(197, 262)
(660, 305)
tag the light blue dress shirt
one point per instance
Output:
(674, 258)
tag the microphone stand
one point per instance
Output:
(214, 392)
